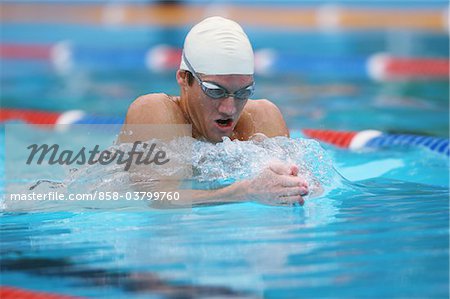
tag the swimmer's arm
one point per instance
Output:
(190, 198)
(278, 184)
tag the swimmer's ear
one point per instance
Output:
(182, 78)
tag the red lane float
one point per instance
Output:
(343, 139)
(340, 139)
(383, 67)
(29, 116)
(36, 117)
(25, 51)
(17, 293)
(55, 118)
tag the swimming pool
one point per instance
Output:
(383, 232)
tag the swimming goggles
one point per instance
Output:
(215, 91)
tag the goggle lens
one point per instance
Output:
(217, 92)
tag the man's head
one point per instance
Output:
(216, 76)
(218, 46)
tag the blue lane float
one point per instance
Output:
(439, 145)
(376, 140)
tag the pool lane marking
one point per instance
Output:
(161, 58)
(7, 292)
(345, 139)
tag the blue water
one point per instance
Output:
(381, 232)
(388, 239)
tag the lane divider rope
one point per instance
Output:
(64, 57)
(353, 140)
(7, 292)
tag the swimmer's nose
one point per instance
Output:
(227, 106)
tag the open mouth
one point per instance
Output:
(224, 122)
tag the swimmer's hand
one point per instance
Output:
(278, 184)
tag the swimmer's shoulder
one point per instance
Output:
(260, 105)
(155, 108)
(266, 117)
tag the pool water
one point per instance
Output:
(380, 230)
(381, 238)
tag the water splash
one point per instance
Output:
(210, 166)
(238, 160)
(224, 162)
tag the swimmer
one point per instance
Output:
(216, 81)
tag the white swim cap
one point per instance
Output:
(218, 46)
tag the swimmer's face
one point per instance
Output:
(216, 118)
